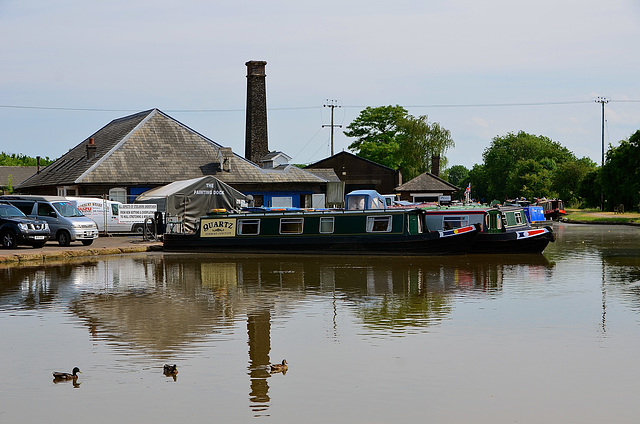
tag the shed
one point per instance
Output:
(188, 200)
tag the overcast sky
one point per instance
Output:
(480, 68)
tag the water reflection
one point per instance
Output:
(161, 307)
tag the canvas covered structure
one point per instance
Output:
(188, 200)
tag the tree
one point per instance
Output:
(7, 159)
(376, 132)
(390, 136)
(518, 163)
(570, 176)
(620, 175)
(457, 174)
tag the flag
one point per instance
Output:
(468, 189)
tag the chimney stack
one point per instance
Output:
(256, 144)
(38, 164)
(435, 165)
(91, 149)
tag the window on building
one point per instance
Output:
(326, 224)
(379, 224)
(118, 194)
(248, 226)
(291, 225)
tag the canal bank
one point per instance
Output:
(53, 252)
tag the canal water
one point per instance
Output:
(549, 338)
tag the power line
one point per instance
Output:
(453, 105)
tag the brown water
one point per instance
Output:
(549, 338)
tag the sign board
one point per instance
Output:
(136, 212)
(444, 198)
(222, 227)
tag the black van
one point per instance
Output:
(18, 229)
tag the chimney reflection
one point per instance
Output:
(259, 336)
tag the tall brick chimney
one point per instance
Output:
(256, 144)
(435, 165)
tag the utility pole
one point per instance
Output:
(603, 101)
(331, 104)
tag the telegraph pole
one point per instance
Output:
(331, 104)
(602, 101)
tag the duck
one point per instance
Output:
(66, 376)
(283, 367)
(170, 370)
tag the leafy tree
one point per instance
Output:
(620, 176)
(7, 159)
(570, 177)
(390, 136)
(522, 163)
(376, 132)
(457, 174)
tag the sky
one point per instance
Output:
(482, 69)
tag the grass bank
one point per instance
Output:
(595, 216)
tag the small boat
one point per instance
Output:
(361, 231)
(553, 208)
(504, 229)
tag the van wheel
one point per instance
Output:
(64, 239)
(87, 242)
(9, 240)
(138, 229)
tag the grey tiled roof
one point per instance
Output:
(427, 182)
(150, 147)
(18, 174)
(326, 173)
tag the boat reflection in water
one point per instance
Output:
(155, 308)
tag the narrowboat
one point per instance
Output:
(503, 229)
(381, 231)
(553, 208)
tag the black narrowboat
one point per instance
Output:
(380, 231)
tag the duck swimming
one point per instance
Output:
(170, 370)
(60, 376)
(283, 367)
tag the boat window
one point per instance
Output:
(504, 221)
(450, 222)
(326, 224)
(379, 224)
(518, 216)
(248, 226)
(291, 225)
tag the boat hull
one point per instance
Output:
(527, 241)
(433, 243)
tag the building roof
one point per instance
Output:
(345, 156)
(18, 174)
(427, 182)
(151, 148)
(325, 173)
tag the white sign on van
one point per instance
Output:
(136, 212)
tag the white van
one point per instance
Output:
(107, 215)
(103, 212)
(66, 222)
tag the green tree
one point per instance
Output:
(457, 175)
(620, 175)
(7, 159)
(519, 163)
(569, 178)
(390, 136)
(377, 134)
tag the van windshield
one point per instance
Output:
(67, 209)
